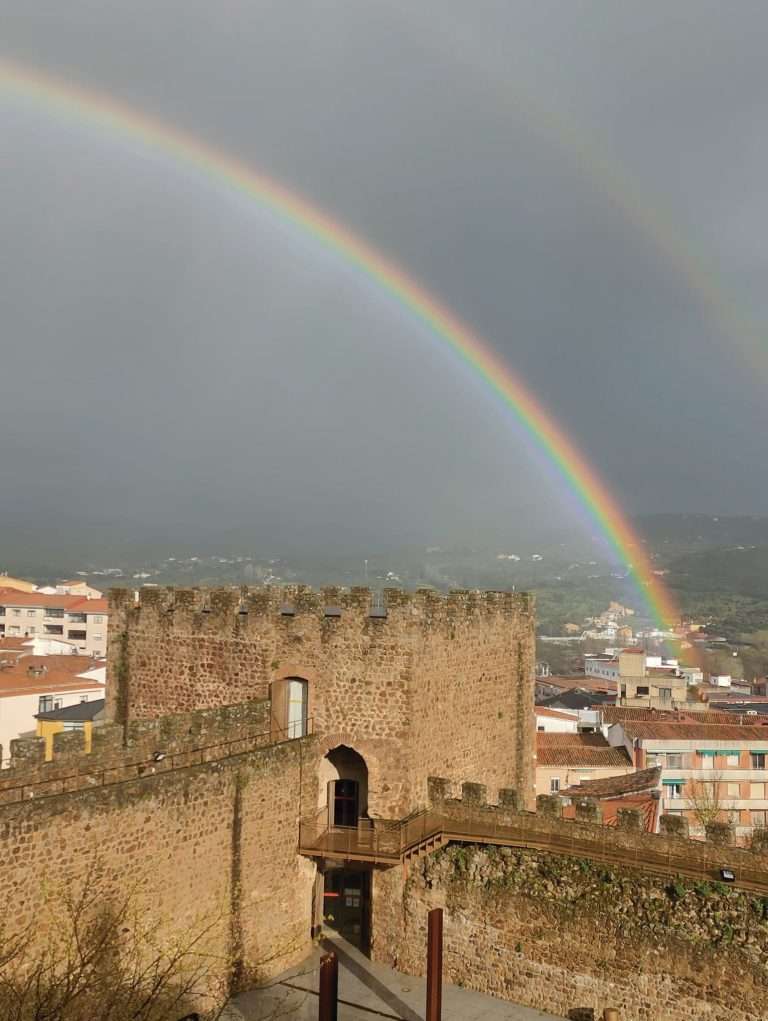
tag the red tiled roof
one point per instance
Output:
(60, 674)
(556, 714)
(664, 731)
(619, 713)
(617, 786)
(578, 750)
(75, 604)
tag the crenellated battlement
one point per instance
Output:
(125, 751)
(229, 611)
(475, 815)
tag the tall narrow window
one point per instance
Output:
(297, 708)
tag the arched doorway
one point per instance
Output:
(344, 787)
(344, 889)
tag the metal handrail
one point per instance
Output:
(526, 830)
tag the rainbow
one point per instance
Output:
(64, 99)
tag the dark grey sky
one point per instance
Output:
(169, 353)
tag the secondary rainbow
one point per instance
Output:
(75, 102)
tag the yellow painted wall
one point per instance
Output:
(47, 728)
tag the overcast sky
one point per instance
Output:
(583, 182)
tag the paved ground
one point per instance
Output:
(369, 992)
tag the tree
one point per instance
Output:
(706, 800)
(94, 956)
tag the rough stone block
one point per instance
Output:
(475, 794)
(759, 842)
(720, 833)
(549, 805)
(509, 798)
(629, 819)
(673, 825)
(588, 810)
(438, 789)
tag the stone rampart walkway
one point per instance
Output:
(369, 992)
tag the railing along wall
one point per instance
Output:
(468, 820)
(158, 762)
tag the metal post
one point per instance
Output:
(328, 1005)
(435, 965)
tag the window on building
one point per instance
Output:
(665, 693)
(554, 784)
(78, 636)
(733, 790)
(12, 630)
(707, 761)
(54, 629)
(57, 703)
(759, 817)
(98, 620)
(52, 611)
(757, 791)
(2, 611)
(32, 630)
(45, 703)
(732, 759)
(674, 760)
(758, 760)
(16, 613)
(673, 788)
(653, 759)
(31, 613)
(642, 690)
(290, 707)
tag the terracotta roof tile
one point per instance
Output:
(60, 674)
(694, 731)
(615, 786)
(556, 714)
(578, 750)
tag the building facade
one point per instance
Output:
(710, 771)
(80, 622)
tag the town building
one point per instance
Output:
(566, 759)
(556, 721)
(710, 771)
(76, 716)
(640, 791)
(38, 684)
(17, 584)
(76, 620)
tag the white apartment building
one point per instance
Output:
(707, 768)
(32, 685)
(80, 622)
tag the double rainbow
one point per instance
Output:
(73, 102)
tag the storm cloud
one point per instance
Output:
(581, 182)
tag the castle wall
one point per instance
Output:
(432, 681)
(571, 937)
(473, 697)
(573, 933)
(208, 844)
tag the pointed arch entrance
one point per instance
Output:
(344, 787)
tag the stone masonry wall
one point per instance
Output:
(432, 681)
(473, 699)
(568, 933)
(572, 937)
(210, 843)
